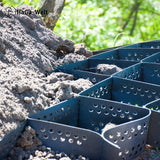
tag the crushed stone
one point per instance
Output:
(29, 147)
(108, 69)
(28, 54)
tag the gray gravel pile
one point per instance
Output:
(108, 69)
(29, 147)
(28, 53)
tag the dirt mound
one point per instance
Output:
(29, 52)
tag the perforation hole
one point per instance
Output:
(106, 113)
(91, 110)
(122, 138)
(118, 134)
(51, 131)
(94, 80)
(132, 129)
(106, 91)
(136, 133)
(68, 107)
(120, 154)
(130, 117)
(124, 86)
(56, 112)
(153, 92)
(149, 96)
(59, 132)
(76, 136)
(119, 110)
(79, 142)
(44, 116)
(135, 93)
(93, 123)
(123, 157)
(99, 112)
(92, 93)
(128, 92)
(101, 88)
(72, 155)
(133, 148)
(139, 89)
(95, 105)
(139, 127)
(145, 125)
(127, 112)
(96, 129)
(43, 129)
(51, 114)
(62, 109)
(111, 136)
(68, 134)
(101, 124)
(84, 138)
(146, 91)
(135, 113)
(129, 136)
(103, 107)
(125, 132)
(126, 151)
(122, 115)
(115, 140)
(70, 140)
(54, 138)
(62, 139)
(114, 114)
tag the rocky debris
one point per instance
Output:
(107, 69)
(66, 47)
(25, 92)
(28, 54)
(70, 58)
(29, 147)
(81, 49)
(28, 139)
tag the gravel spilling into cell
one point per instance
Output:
(108, 69)
(29, 147)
